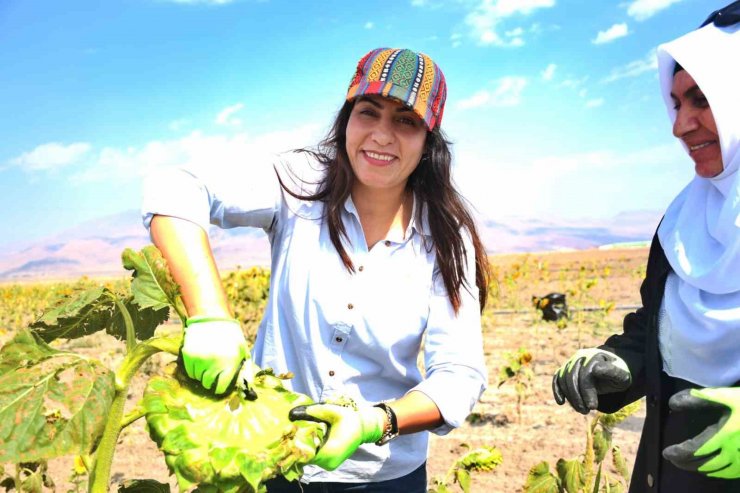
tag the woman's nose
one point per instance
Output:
(383, 132)
(685, 122)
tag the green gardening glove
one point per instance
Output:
(588, 373)
(349, 427)
(213, 350)
(716, 450)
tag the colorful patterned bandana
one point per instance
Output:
(410, 77)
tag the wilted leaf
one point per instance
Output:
(541, 480)
(620, 464)
(84, 314)
(463, 479)
(485, 458)
(572, 475)
(611, 420)
(602, 443)
(143, 486)
(153, 285)
(52, 403)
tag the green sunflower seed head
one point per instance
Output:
(228, 443)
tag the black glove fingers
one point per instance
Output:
(556, 392)
(609, 377)
(572, 387)
(587, 385)
(684, 401)
(682, 454)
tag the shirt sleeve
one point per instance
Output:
(456, 374)
(226, 200)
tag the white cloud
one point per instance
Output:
(240, 151)
(50, 156)
(644, 9)
(594, 103)
(549, 71)
(506, 93)
(456, 39)
(634, 68)
(575, 185)
(226, 116)
(615, 32)
(369, 25)
(484, 19)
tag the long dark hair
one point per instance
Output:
(431, 182)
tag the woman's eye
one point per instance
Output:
(407, 121)
(701, 102)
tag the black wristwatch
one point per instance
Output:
(391, 429)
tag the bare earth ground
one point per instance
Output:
(545, 431)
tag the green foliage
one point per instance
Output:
(485, 458)
(518, 369)
(86, 312)
(247, 291)
(541, 480)
(55, 402)
(52, 403)
(586, 474)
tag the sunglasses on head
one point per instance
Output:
(726, 16)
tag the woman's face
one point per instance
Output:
(695, 125)
(385, 142)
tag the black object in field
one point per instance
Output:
(552, 306)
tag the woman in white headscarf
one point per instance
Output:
(682, 349)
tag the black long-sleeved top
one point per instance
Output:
(638, 347)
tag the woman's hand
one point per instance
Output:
(213, 350)
(715, 451)
(349, 427)
(588, 373)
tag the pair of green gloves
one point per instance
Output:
(715, 452)
(213, 352)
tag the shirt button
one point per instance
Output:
(339, 339)
(350, 306)
(361, 268)
(650, 480)
(331, 373)
(387, 243)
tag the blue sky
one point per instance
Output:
(553, 105)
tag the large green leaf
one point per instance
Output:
(52, 403)
(572, 475)
(153, 285)
(145, 320)
(96, 309)
(82, 314)
(541, 480)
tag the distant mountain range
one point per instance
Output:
(94, 248)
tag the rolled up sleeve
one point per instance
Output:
(226, 201)
(456, 374)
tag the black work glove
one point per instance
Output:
(715, 451)
(587, 374)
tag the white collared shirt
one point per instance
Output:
(344, 334)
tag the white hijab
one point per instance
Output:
(700, 232)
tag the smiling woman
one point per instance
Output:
(376, 258)
(681, 350)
